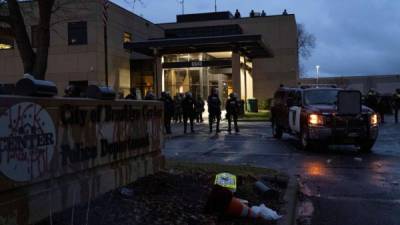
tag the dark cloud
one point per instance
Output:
(354, 37)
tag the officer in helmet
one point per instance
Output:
(189, 111)
(396, 105)
(178, 107)
(214, 109)
(232, 110)
(168, 110)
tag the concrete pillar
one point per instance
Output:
(236, 71)
(158, 76)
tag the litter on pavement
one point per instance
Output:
(221, 200)
(358, 159)
(226, 180)
(126, 192)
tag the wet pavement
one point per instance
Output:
(346, 187)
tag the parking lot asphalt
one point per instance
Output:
(346, 187)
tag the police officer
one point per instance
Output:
(232, 110)
(168, 110)
(188, 108)
(396, 105)
(214, 109)
(371, 100)
(178, 108)
(199, 109)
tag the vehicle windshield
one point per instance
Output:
(320, 97)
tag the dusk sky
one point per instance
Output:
(354, 37)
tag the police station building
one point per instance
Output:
(249, 54)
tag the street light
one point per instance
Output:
(317, 67)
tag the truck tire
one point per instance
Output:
(277, 132)
(305, 142)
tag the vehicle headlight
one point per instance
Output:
(374, 120)
(315, 120)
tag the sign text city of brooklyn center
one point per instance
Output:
(71, 150)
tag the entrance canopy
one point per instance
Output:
(250, 45)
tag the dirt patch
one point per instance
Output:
(177, 196)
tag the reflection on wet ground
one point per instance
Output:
(347, 187)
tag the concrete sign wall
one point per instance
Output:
(59, 152)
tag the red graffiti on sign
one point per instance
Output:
(27, 141)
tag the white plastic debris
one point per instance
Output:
(265, 212)
(126, 192)
(358, 159)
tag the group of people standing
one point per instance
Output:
(186, 108)
(384, 104)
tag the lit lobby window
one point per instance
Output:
(6, 43)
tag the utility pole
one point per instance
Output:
(317, 67)
(215, 4)
(182, 2)
(106, 5)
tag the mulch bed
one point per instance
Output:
(173, 197)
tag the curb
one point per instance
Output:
(254, 120)
(290, 199)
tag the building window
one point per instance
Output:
(6, 43)
(127, 37)
(77, 33)
(34, 36)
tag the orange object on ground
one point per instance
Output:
(237, 208)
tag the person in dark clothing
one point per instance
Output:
(396, 105)
(371, 100)
(178, 108)
(263, 13)
(150, 96)
(237, 14)
(168, 110)
(232, 110)
(382, 106)
(189, 111)
(72, 91)
(214, 109)
(252, 13)
(199, 109)
(132, 95)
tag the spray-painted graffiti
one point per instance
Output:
(58, 152)
(27, 141)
